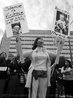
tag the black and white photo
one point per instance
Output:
(61, 23)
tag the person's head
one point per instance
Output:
(10, 56)
(38, 43)
(67, 63)
(16, 29)
(3, 55)
(62, 17)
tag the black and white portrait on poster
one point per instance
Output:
(61, 23)
(16, 28)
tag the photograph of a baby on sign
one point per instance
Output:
(61, 23)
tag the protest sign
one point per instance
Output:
(14, 15)
(61, 23)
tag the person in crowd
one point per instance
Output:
(3, 56)
(59, 77)
(3, 73)
(39, 70)
(56, 78)
(16, 81)
(67, 79)
(4, 62)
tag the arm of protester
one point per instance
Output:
(66, 70)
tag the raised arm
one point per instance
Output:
(59, 49)
(66, 70)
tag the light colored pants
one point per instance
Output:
(39, 88)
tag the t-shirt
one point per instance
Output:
(40, 58)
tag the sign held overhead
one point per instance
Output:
(14, 15)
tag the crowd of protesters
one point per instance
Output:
(13, 80)
(41, 74)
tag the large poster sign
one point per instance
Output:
(14, 15)
(61, 23)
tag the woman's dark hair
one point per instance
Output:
(16, 24)
(69, 63)
(61, 61)
(4, 53)
(35, 43)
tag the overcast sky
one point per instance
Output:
(39, 13)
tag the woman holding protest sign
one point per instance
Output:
(40, 69)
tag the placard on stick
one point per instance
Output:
(14, 15)
(61, 23)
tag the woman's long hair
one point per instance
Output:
(70, 65)
(35, 44)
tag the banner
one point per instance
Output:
(14, 15)
(5, 44)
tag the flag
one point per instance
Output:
(5, 43)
